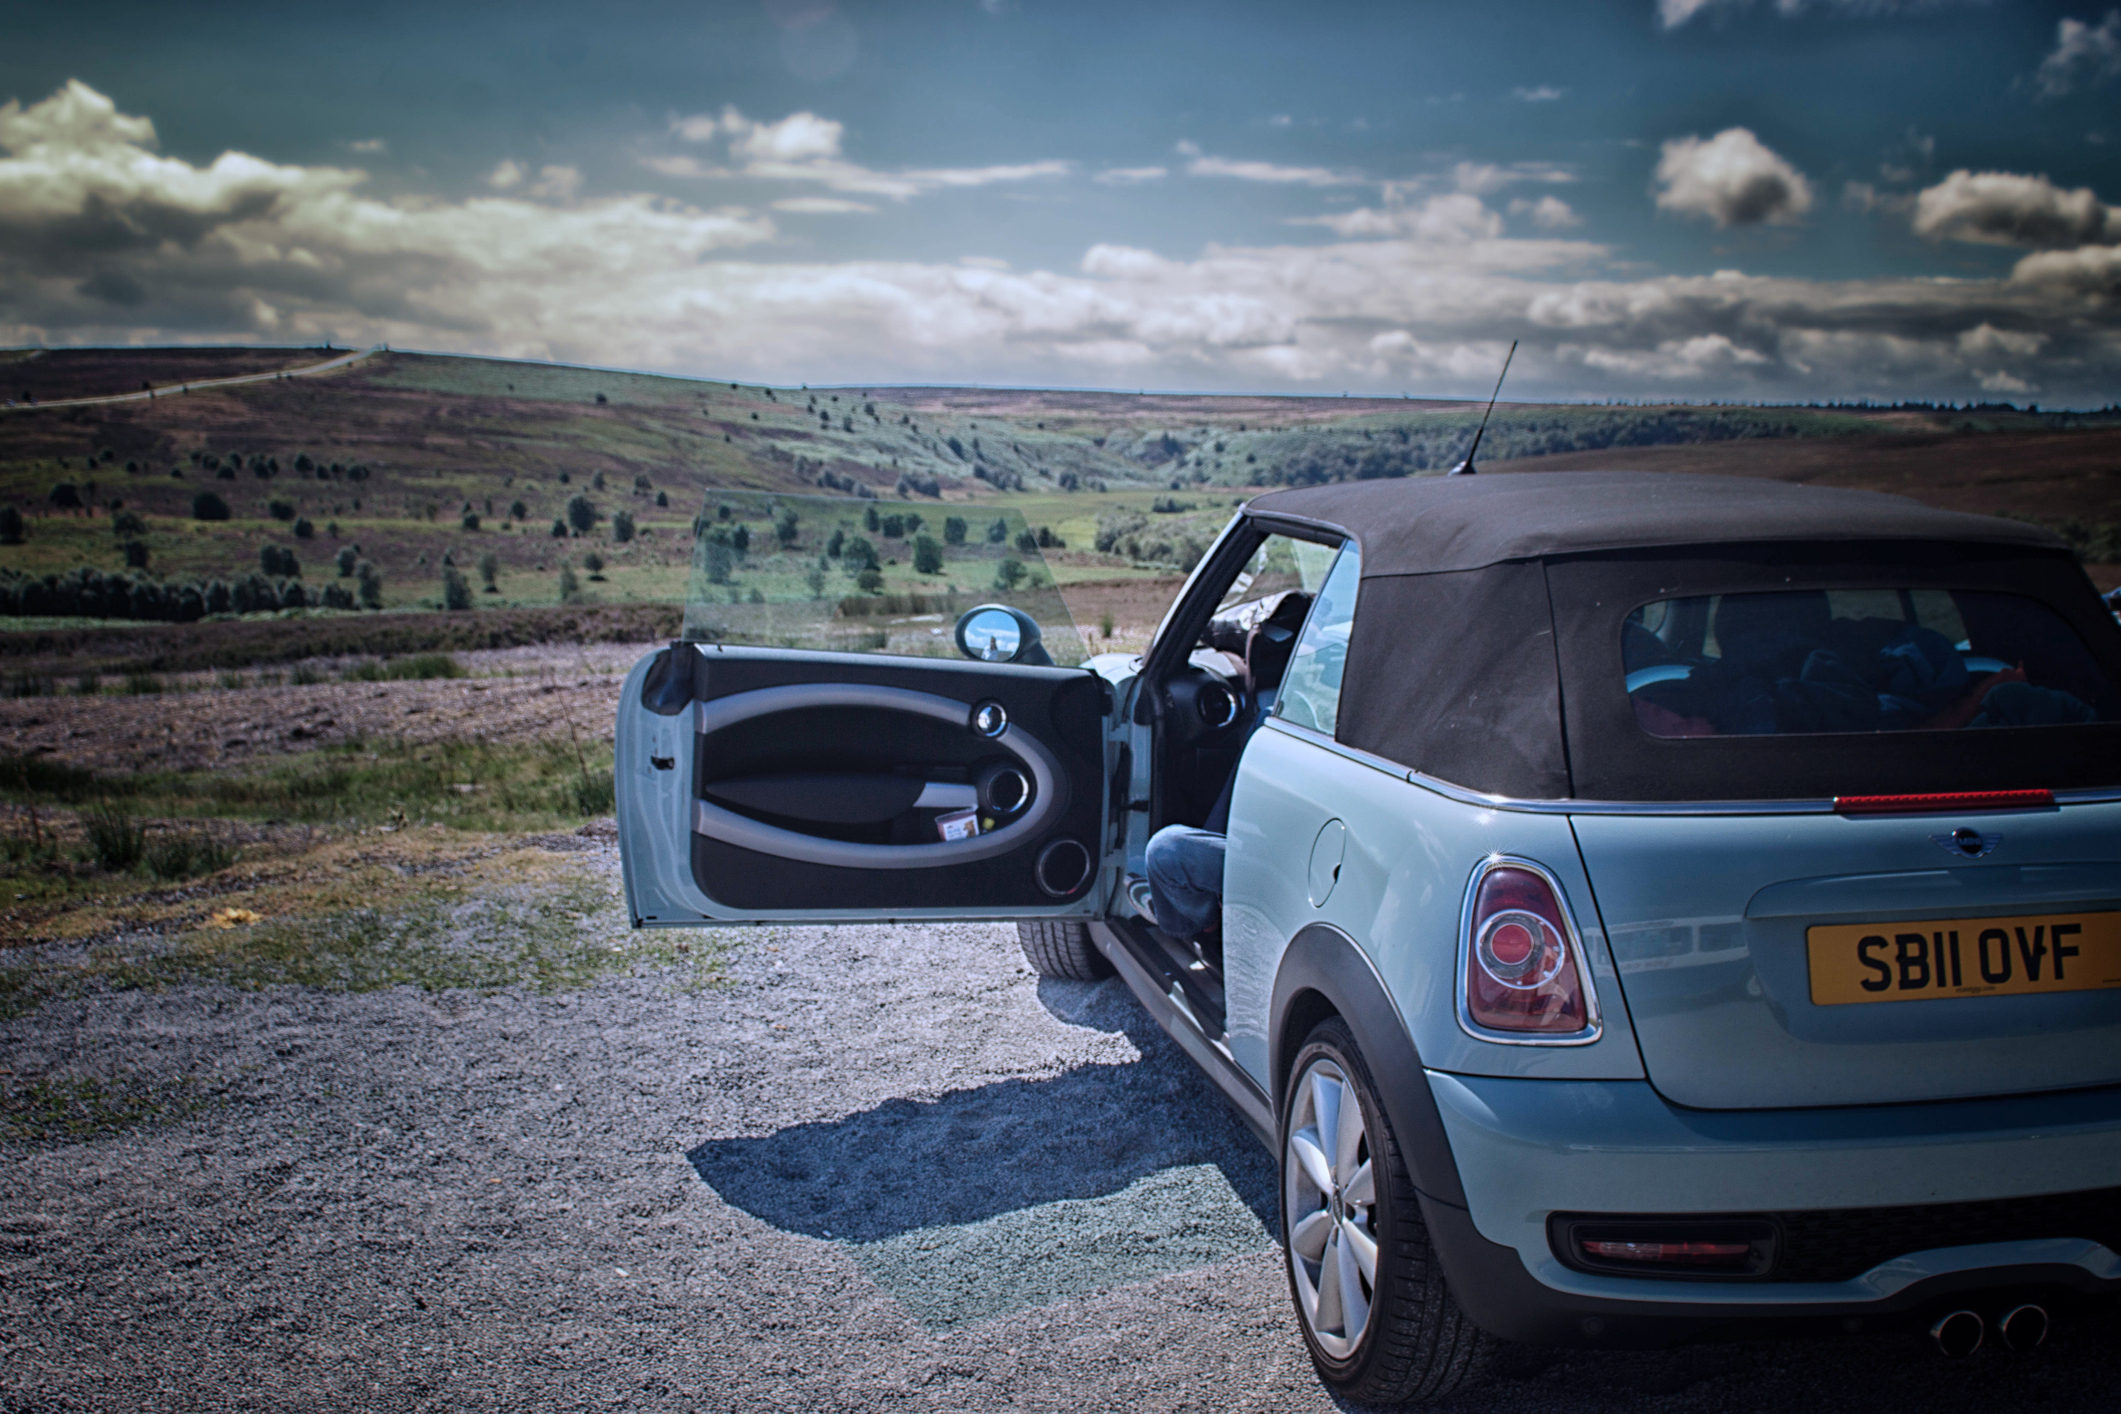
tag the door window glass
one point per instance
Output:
(1310, 692)
(847, 574)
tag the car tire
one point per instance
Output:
(1062, 950)
(1410, 1340)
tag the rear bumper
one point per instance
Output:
(1527, 1148)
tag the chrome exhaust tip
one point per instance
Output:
(2023, 1327)
(1959, 1334)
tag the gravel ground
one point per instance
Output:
(882, 1169)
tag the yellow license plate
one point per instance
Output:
(1964, 957)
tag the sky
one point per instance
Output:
(1758, 200)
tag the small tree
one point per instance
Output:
(998, 532)
(927, 555)
(371, 592)
(456, 590)
(489, 571)
(135, 554)
(570, 587)
(349, 556)
(642, 486)
(597, 481)
(954, 530)
(1009, 573)
(870, 521)
(559, 528)
(594, 563)
(303, 529)
(469, 520)
(1027, 542)
(581, 514)
(66, 496)
(621, 527)
(816, 580)
(894, 527)
(208, 506)
(662, 498)
(518, 511)
(10, 526)
(127, 525)
(837, 543)
(870, 581)
(787, 526)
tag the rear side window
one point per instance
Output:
(1857, 660)
(1310, 692)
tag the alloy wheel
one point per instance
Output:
(1330, 1196)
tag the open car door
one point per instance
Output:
(952, 766)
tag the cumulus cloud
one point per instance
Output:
(1549, 213)
(804, 147)
(2006, 208)
(104, 240)
(2083, 55)
(1733, 179)
(1203, 165)
(1674, 13)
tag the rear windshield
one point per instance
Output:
(1857, 660)
(865, 575)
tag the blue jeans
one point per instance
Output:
(1185, 869)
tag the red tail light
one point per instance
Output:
(1523, 969)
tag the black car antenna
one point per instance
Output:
(1465, 468)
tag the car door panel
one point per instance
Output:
(812, 785)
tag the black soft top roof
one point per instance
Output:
(1431, 524)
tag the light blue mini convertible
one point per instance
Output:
(1654, 908)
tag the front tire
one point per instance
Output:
(1380, 1322)
(1062, 950)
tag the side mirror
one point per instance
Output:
(996, 633)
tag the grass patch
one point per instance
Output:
(115, 840)
(73, 1108)
(483, 786)
(424, 908)
(415, 667)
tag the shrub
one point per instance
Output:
(279, 561)
(135, 554)
(998, 532)
(837, 543)
(10, 526)
(621, 527)
(954, 530)
(347, 558)
(894, 527)
(489, 571)
(642, 486)
(141, 683)
(304, 530)
(469, 520)
(594, 563)
(662, 498)
(594, 793)
(456, 590)
(304, 675)
(1009, 573)
(858, 554)
(186, 854)
(1027, 542)
(280, 509)
(66, 496)
(518, 511)
(787, 526)
(582, 514)
(927, 555)
(870, 581)
(559, 528)
(597, 482)
(371, 580)
(208, 506)
(870, 521)
(115, 839)
(570, 587)
(127, 525)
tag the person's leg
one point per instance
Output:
(1185, 868)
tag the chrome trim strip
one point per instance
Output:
(1616, 807)
(2102, 795)
(1048, 797)
(1585, 1037)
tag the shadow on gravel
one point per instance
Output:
(1022, 1192)
(975, 1154)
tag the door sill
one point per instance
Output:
(1153, 977)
